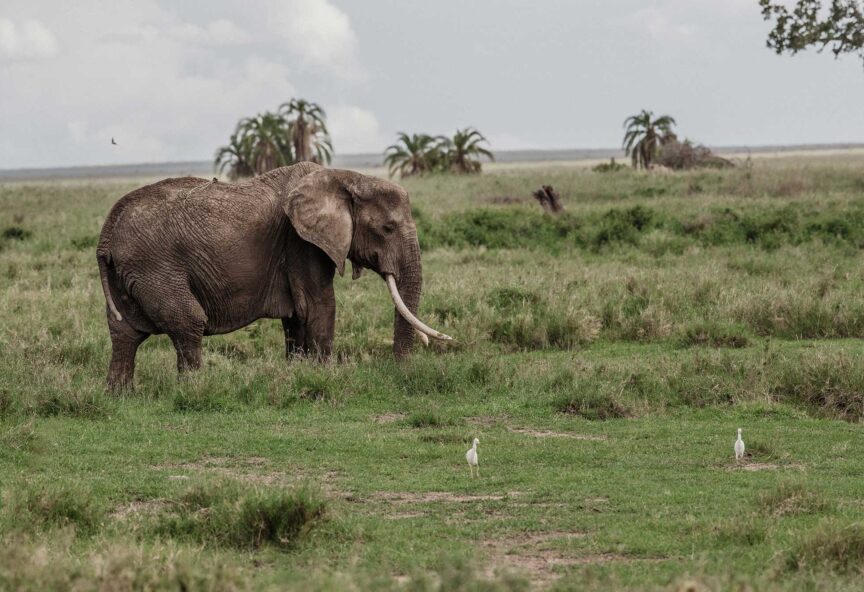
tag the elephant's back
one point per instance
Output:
(147, 199)
(152, 217)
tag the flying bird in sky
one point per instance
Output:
(113, 142)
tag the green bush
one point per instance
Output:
(593, 406)
(790, 498)
(227, 514)
(16, 233)
(830, 547)
(713, 335)
(41, 506)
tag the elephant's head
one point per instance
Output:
(368, 221)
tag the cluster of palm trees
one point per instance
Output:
(418, 154)
(296, 132)
(650, 141)
(644, 135)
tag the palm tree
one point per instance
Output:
(235, 158)
(641, 137)
(464, 146)
(267, 141)
(308, 131)
(412, 155)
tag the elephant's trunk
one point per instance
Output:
(410, 285)
(406, 297)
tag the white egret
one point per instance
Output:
(471, 457)
(739, 447)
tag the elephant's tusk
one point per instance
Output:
(406, 314)
(422, 337)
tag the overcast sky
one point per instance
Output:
(170, 79)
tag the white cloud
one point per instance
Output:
(355, 130)
(165, 88)
(26, 41)
(660, 26)
(318, 32)
(218, 32)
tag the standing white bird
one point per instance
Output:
(739, 447)
(473, 460)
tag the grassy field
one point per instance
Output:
(604, 358)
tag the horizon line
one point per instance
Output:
(546, 153)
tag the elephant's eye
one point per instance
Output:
(389, 227)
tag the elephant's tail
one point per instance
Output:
(104, 258)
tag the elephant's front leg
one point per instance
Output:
(321, 324)
(295, 336)
(311, 332)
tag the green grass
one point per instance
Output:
(604, 359)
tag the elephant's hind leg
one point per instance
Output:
(186, 332)
(175, 311)
(124, 345)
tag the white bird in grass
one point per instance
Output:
(471, 457)
(739, 448)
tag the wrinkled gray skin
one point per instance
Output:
(188, 258)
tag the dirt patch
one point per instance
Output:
(540, 538)
(252, 469)
(531, 554)
(389, 417)
(551, 434)
(401, 498)
(138, 508)
(759, 467)
(762, 466)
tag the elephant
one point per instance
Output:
(188, 257)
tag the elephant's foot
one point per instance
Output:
(120, 382)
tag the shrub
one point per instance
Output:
(832, 386)
(742, 530)
(82, 243)
(686, 155)
(16, 233)
(7, 402)
(791, 498)
(832, 547)
(314, 384)
(497, 228)
(425, 419)
(72, 402)
(44, 506)
(18, 437)
(225, 514)
(112, 567)
(610, 167)
(440, 375)
(713, 335)
(593, 406)
(510, 297)
(621, 226)
(192, 400)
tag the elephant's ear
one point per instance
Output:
(319, 207)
